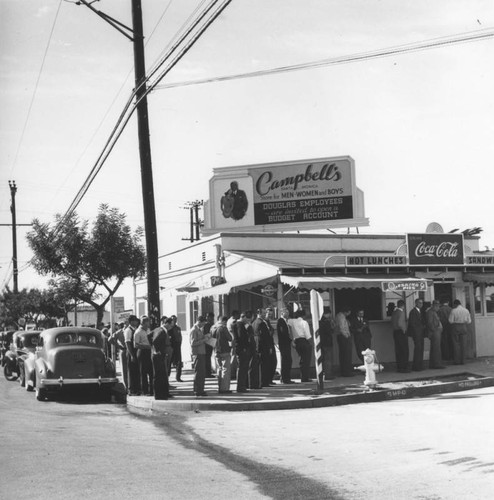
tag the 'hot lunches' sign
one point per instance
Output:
(295, 195)
(442, 249)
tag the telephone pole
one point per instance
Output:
(13, 191)
(15, 271)
(146, 168)
(195, 222)
(135, 34)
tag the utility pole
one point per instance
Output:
(15, 270)
(135, 34)
(13, 190)
(146, 168)
(195, 222)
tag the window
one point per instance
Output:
(370, 300)
(141, 308)
(489, 299)
(478, 299)
(193, 311)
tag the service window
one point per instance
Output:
(368, 299)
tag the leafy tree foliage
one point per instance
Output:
(40, 307)
(89, 263)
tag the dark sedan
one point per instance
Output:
(67, 357)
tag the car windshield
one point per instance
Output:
(76, 338)
(30, 341)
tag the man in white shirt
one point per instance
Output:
(459, 318)
(143, 350)
(301, 335)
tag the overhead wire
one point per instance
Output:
(8, 275)
(429, 44)
(93, 136)
(35, 91)
(122, 120)
(129, 110)
(391, 51)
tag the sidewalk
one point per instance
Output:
(342, 390)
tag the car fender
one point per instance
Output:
(41, 369)
(29, 368)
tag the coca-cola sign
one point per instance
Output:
(435, 249)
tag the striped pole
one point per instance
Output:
(316, 309)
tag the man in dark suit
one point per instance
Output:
(245, 347)
(416, 330)
(359, 327)
(399, 324)
(265, 347)
(234, 203)
(285, 345)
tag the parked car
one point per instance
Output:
(22, 345)
(67, 357)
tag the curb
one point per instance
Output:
(147, 405)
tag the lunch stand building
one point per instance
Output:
(243, 271)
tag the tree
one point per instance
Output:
(90, 264)
(14, 306)
(35, 306)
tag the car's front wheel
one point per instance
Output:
(9, 373)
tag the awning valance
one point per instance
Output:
(233, 287)
(484, 278)
(325, 282)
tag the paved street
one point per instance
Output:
(438, 447)
(434, 448)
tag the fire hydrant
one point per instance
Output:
(370, 367)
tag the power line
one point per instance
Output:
(359, 57)
(128, 110)
(123, 120)
(112, 104)
(35, 89)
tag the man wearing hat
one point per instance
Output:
(198, 345)
(134, 388)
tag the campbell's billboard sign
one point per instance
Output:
(303, 194)
(435, 249)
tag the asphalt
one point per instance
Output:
(342, 390)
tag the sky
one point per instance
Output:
(418, 125)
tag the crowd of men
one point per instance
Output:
(445, 327)
(243, 346)
(147, 356)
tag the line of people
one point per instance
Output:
(147, 356)
(251, 343)
(440, 324)
(244, 346)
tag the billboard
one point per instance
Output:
(435, 249)
(298, 195)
